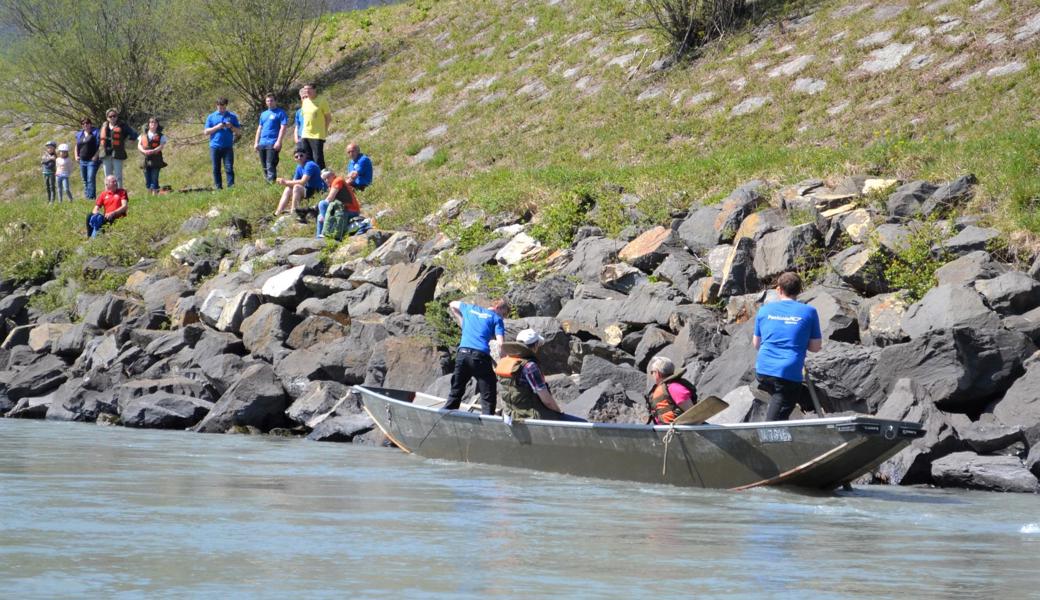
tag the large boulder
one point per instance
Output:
(163, 294)
(318, 399)
(270, 324)
(589, 316)
(43, 336)
(164, 411)
(220, 370)
(738, 273)
(846, 377)
(341, 427)
(255, 399)
(881, 320)
(177, 385)
(698, 231)
(784, 250)
(862, 268)
(946, 307)
(649, 249)
(742, 406)
(411, 286)
(961, 369)
(682, 270)
(837, 310)
(412, 363)
(285, 287)
(542, 298)
(590, 254)
(650, 303)
(595, 370)
(553, 354)
(1020, 406)
(970, 239)
(38, 379)
(950, 195)
(908, 198)
(609, 402)
(106, 312)
(1011, 293)
(315, 330)
(74, 340)
(401, 247)
(33, 407)
(520, 248)
(998, 473)
(969, 268)
(236, 309)
(741, 202)
(83, 398)
(734, 367)
(297, 369)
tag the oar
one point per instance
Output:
(702, 411)
(812, 393)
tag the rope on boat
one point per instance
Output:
(668, 435)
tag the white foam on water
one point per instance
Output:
(1030, 528)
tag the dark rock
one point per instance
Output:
(180, 386)
(84, 398)
(34, 407)
(38, 379)
(969, 268)
(365, 300)
(554, 353)
(403, 325)
(845, 377)
(649, 249)
(341, 428)
(741, 202)
(654, 340)
(580, 349)
(17, 336)
(1011, 293)
(784, 250)
(595, 370)
(175, 341)
(609, 402)
(1027, 323)
(255, 399)
(484, 255)
(297, 369)
(590, 254)
(734, 367)
(106, 312)
(270, 324)
(12, 306)
(989, 436)
(961, 369)
(318, 399)
(323, 287)
(541, 298)
(738, 274)
(760, 223)
(589, 316)
(315, 330)
(164, 411)
(335, 307)
(237, 309)
(411, 286)
(413, 363)
(564, 388)
(912, 465)
(893, 237)
(681, 269)
(214, 343)
(650, 303)
(949, 196)
(373, 275)
(946, 307)
(698, 231)
(970, 239)
(908, 198)
(621, 277)
(999, 473)
(221, 369)
(1020, 406)
(164, 293)
(837, 312)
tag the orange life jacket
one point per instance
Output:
(663, 409)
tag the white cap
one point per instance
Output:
(325, 173)
(529, 337)
(63, 147)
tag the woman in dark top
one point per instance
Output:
(86, 152)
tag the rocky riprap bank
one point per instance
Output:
(271, 342)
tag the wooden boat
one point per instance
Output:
(813, 453)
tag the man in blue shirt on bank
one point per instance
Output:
(221, 127)
(305, 183)
(359, 168)
(269, 134)
(784, 330)
(479, 326)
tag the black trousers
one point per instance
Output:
(784, 395)
(316, 148)
(470, 363)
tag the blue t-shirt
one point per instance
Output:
(313, 172)
(221, 138)
(298, 119)
(479, 326)
(785, 328)
(271, 120)
(363, 166)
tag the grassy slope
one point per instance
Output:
(519, 102)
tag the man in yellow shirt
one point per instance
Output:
(316, 120)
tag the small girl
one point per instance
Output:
(47, 161)
(62, 167)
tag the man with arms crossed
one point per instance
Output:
(479, 326)
(269, 134)
(784, 330)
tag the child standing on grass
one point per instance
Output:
(48, 163)
(62, 168)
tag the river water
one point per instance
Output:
(102, 512)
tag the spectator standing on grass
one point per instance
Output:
(151, 145)
(269, 135)
(316, 120)
(221, 126)
(298, 125)
(86, 152)
(47, 165)
(114, 135)
(62, 170)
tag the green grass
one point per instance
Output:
(504, 150)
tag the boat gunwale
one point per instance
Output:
(633, 426)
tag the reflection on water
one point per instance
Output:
(87, 511)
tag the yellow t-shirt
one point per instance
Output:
(314, 112)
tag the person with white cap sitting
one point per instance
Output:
(525, 394)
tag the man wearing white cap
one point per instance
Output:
(525, 394)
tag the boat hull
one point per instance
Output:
(812, 453)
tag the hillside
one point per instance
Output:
(519, 104)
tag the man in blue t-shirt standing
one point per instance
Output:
(479, 326)
(268, 139)
(784, 330)
(221, 127)
(305, 183)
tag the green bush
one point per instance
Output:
(912, 268)
(559, 221)
(448, 333)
